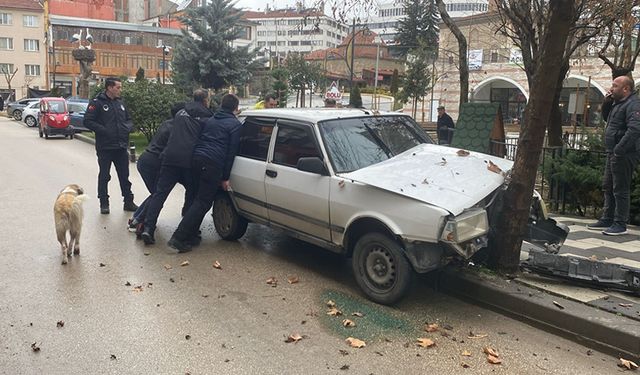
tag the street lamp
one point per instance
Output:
(377, 40)
(165, 52)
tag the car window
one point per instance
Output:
(255, 136)
(293, 143)
(77, 107)
(360, 142)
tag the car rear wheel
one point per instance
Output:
(381, 268)
(17, 115)
(228, 223)
(30, 121)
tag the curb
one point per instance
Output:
(84, 138)
(576, 321)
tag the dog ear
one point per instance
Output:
(80, 190)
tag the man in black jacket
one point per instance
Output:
(445, 126)
(622, 144)
(111, 124)
(176, 159)
(213, 158)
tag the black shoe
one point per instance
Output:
(194, 241)
(104, 208)
(600, 225)
(182, 247)
(147, 237)
(130, 206)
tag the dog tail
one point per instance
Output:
(80, 198)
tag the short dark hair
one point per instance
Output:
(199, 95)
(111, 81)
(229, 102)
(270, 96)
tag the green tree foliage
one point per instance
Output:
(394, 82)
(417, 79)
(355, 99)
(140, 74)
(209, 59)
(281, 85)
(302, 75)
(420, 26)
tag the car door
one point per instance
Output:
(297, 200)
(250, 164)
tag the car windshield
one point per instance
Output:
(56, 107)
(360, 142)
(77, 107)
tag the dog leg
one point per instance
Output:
(62, 238)
(75, 240)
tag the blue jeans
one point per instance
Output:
(168, 177)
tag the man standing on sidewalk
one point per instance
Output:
(444, 126)
(109, 120)
(212, 161)
(622, 144)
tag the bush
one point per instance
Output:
(355, 100)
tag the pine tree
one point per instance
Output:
(209, 60)
(419, 26)
(355, 99)
(139, 74)
(394, 82)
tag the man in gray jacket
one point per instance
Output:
(622, 144)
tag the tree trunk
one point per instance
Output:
(462, 51)
(554, 127)
(511, 222)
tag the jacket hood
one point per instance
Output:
(197, 110)
(436, 175)
(221, 114)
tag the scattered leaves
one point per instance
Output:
(344, 367)
(464, 365)
(137, 288)
(36, 348)
(343, 352)
(425, 343)
(60, 324)
(185, 263)
(330, 304)
(348, 323)
(463, 153)
(493, 360)
(443, 162)
(127, 284)
(477, 335)
(217, 265)
(295, 337)
(341, 183)
(629, 365)
(334, 312)
(626, 304)
(167, 267)
(272, 281)
(293, 279)
(493, 167)
(355, 343)
(431, 327)
(358, 314)
(465, 353)
(113, 357)
(558, 305)
(187, 337)
(490, 351)
(102, 265)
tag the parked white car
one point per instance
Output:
(368, 185)
(30, 114)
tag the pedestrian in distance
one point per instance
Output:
(175, 160)
(108, 118)
(622, 145)
(213, 158)
(270, 101)
(444, 127)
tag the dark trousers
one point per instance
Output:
(148, 167)
(168, 177)
(206, 177)
(120, 159)
(616, 185)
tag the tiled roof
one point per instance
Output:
(475, 127)
(21, 4)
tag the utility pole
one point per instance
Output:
(353, 50)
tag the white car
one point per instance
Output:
(365, 184)
(30, 114)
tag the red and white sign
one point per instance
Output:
(333, 92)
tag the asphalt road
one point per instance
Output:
(131, 309)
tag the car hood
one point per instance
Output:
(438, 175)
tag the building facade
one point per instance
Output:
(22, 48)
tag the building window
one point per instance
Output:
(29, 21)
(6, 68)
(121, 10)
(5, 18)
(32, 45)
(32, 70)
(6, 43)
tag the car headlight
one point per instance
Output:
(466, 226)
(52, 118)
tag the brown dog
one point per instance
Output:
(67, 213)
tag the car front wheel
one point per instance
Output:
(30, 121)
(17, 115)
(381, 269)
(228, 223)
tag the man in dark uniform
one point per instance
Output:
(108, 118)
(445, 127)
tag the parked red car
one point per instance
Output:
(54, 118)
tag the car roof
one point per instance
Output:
(316, 115)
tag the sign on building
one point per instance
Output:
(475, 59)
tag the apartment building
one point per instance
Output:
(22, 48)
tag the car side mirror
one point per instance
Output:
(312, 165)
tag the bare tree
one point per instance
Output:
(622, 39)
(462, 51)
(8, 76)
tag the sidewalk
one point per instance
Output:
(603, 319)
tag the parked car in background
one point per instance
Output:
(30, 114)
(14, 109)
(77, 108)
(54, 118)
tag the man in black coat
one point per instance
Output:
(107, 116)
(622, 144)
(213, 158)
(176, 159)
(445, 127)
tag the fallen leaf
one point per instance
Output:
(448, 327)
(477, 336)
(187, 337)
(330, 303)
(558, 305)
(355, 343)
(464, 365)
(60, 324)
(343, 352)
(293, 279)
(425, 343)
(425, 182)
(443, 162)
(493, 360)
(348, 323)
(113, 356)
(272, 281)
(431, 327)
(137, 288)
(358, 314)
(172, 280)
(217, 265)
(36, 348)
(627, 364)
(127, 284)
(466, 353)
(490, 351)
(293, 338)
(102, 265)
(344, 367)
(334, 312)
(147, 253)
(494, 167)
(167, 267)
(462, 153)
(626, 304)
(185, 263)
